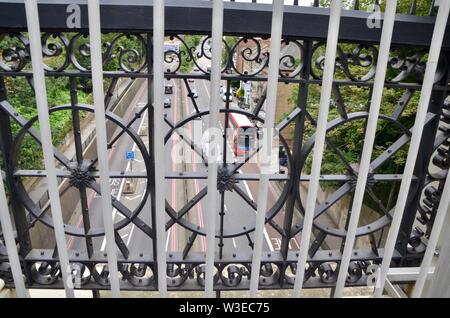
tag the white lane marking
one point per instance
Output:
(120, 215)
(266, 235)
(122, 184)
(132, 198)
(167, 238)
(227, 141)
(206, 88)
(234, 241)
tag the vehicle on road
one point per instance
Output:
(167, 103)
(194, 93)
(244, 134)
(283, 157)
(168, 88)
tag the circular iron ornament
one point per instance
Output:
(45, 273)
(355, 272)
(306, 151)
(138, 274)
(100, 273)
(55, 45)
(34, 208)
(236, 231)
(177, 274)
(361, 57)
(327, 273)
(231, 274)
(251, 52)
(248, 49)
(129, 60)
(200, 271)
(6, 273)
(269, 274)
(14, 59)
(291, 272)
(81, 274)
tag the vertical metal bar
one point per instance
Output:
(369, 139)
(76, 127)
(216, 51)
(46, 139)
(20, 217)
(325, 96)
(151, 141)
(10, 242)
(271, 103)
(224, 165)
(302, 101)
(428, 82)
(100, 126)
(158, 94)
(23, 238)
(434, 237)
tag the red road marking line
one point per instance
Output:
(197, 189)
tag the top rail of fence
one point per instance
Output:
(252, 19)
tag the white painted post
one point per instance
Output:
(428, 81)
(369, 139)
(158, 107)
(100, 128)
(271, 103)
(325, 96)
(215, 101)
(34, 33)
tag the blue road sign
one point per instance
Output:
(130, 155)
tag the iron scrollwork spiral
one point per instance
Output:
(71, 51)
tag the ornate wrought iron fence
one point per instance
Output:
(128, 49)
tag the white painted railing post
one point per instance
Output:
(158, 107)
(34, 35)
(422, 109)
(271, 103)
(215, 101)
(369, 140)
(100, 126)
(325, 96)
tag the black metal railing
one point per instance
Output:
(127, 53)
